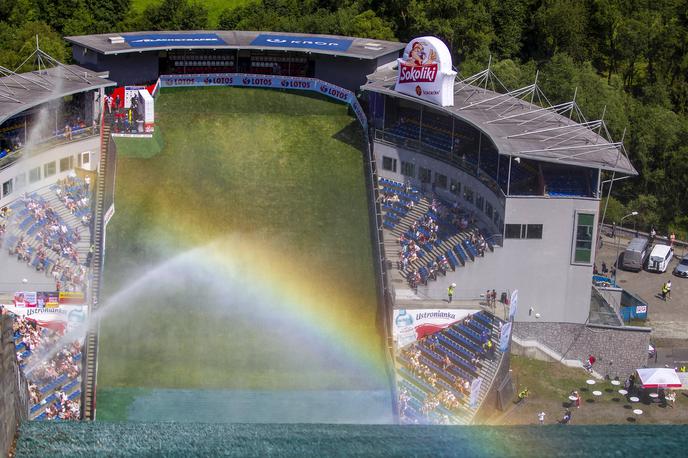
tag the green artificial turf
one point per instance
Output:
(286, 171)
(139, 147)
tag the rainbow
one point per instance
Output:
(316, 310)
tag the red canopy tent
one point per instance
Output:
(658, 377)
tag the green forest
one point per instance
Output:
(630, 56)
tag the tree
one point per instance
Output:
(19, 43)
(562, 26)
(175, 15)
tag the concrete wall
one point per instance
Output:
(541, 269)
(24, 165)
(14, 391)
(619, 351)
(345, 72)
(130, 68)
(85, 57)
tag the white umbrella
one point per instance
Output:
(658, 377)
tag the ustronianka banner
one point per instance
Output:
(269, 81)
(504, 336)
(62, 317)
(425, 71)
(411, 325)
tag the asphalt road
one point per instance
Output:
(668, 319)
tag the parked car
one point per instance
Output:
(681, 269)
(660, 257)
(635, 254)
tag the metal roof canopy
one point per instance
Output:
(362, 48)
(518, 127)
(22, 91)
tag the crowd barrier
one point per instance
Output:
(273, 82)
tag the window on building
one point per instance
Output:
(468, 194)
(7, 188)
(20, 181)
(441, 180)
(533, 231)
(424, 174)
(389, 163)
(34, 175)
(479, 202)
(455, 187)
(512, 231)
(66, 163)
(583, 243)
(488, 209)
(408, 169)
(49, 169)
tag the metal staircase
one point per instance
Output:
(90, 350)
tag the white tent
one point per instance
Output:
(658, 377)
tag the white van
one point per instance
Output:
(660, 257)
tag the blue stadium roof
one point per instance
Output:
(116, 43)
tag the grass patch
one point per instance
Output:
(215, 7)
(143, 148)
(282, 174)
(550, 384)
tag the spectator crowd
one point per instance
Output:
(52, 378)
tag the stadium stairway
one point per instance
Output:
(15, 230)
(456, 247)
(72, 221)
(90, 349)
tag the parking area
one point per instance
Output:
(669, 319)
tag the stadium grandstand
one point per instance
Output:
(474, 192)
(49, 159)
(141, 57)
(469, 167)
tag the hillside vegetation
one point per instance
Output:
(629, 56)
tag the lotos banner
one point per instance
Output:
(411, 325)
(425, 71)
(269, 81)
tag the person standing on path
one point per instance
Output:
(450, 291)
(665, 291)
(668, 290)
(541, 418)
